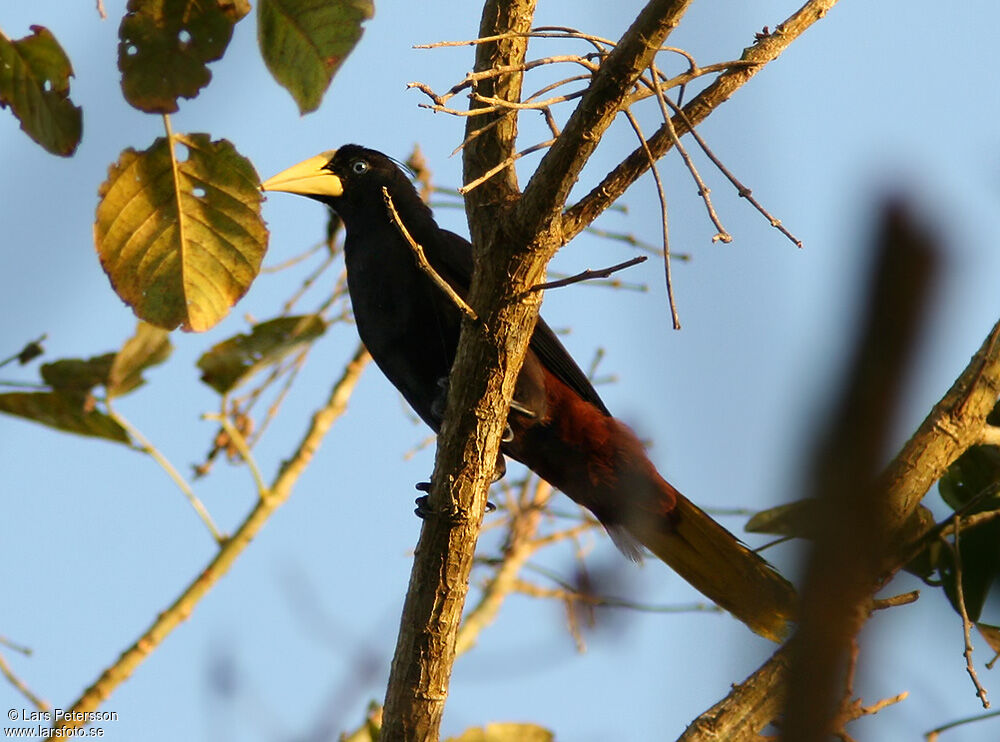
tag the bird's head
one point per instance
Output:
(349, 179)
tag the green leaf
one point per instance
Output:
(67, 412)
(991, 634)
(980, 551)
(792, 519)
(164, 46)
(505, 732)
(181, 239)
(149, 346)
(76, 377)
(34, 82)
(230, 362)
(304, 42)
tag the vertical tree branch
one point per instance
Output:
(469, 442)
(510, 259)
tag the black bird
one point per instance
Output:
(558, 426)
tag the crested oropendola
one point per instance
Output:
(558, 426)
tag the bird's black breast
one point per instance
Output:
(408, 325)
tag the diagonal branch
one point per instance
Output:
(614, 184)
(181, 608)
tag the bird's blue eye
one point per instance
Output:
(359, 167)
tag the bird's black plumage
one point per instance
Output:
(407, 323)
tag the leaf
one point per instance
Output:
(164, 46)
(65, 412)
(227, 364)
(34, 82)
(980, 551)
(149, 346)
(792, 519)
(181, 241)
(991, 634)
(304, 42)
(505, 732)
(76, 377)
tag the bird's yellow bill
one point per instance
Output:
(308, 178)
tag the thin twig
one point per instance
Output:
(504, 165)
(881, 604)
(147, 447)
(587, 275)
(602, 601)
(630, 239)
(246, 454)
(674, 316)
(956, 552)
(722, 235)
(933, 734)
(422, 261)
(741, 189)
(12, 678)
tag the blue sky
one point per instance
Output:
(95, 540)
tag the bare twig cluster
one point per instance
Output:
(652, 84)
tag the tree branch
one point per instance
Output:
(475, 415)
(181, 608)
(549, 187)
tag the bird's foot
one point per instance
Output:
(423, 510)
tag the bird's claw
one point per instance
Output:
(423, 510)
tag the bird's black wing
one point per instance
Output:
(453, 262)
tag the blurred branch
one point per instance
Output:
(519, 548)
(854, 534)
(181, 608)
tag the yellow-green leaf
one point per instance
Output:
(149, 346)
(505, 732)
(991, 634)
(77, 376)
(34, 82)
(67, 412)
(304, 42)
(228, 363)
(164, 46)
(791, 519)
(181, 236)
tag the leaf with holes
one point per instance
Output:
(67, 412)
(304, 42)
(228, 363)
(149, 346)
(34, 82)
(181, 241)
(164, 45)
